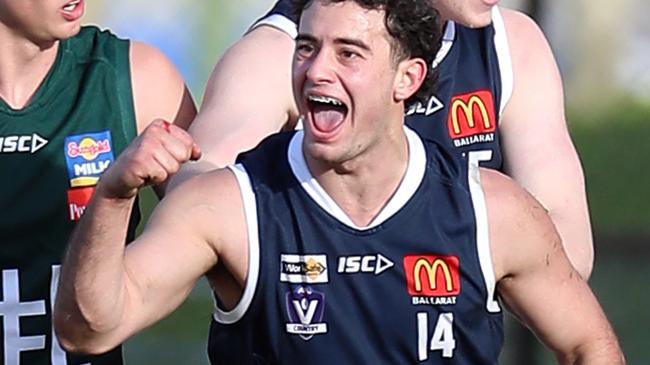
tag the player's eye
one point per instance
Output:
(349, 54)
(304, 49)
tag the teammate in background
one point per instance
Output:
(71, 99)
(495, 64)
(278, 235)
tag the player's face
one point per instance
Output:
(343, 80)
(42, 20)
(471, 13)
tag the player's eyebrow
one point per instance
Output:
(306, 38)
(340, 40)
(353, 42)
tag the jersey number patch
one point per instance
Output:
(442, 338)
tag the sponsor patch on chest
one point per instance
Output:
(305, 310)
(472, 118)
(310, 269)
(432, 279)
(87, 156)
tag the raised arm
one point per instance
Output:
(537, 282)
(538, 150)
(108, 292)
(247, 98)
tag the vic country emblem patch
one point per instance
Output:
(305, 310)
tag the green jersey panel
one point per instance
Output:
(52, 153)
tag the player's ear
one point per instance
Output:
(410, 76)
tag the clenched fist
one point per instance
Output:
(156, 154)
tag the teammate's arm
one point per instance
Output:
(537, 147)
(107, 291)
(247, 98)
(537, 282)
(159, 91)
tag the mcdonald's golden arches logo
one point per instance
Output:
(432, 275)
(471, 114)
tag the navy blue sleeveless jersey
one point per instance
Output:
(414, 286)
(475, 83)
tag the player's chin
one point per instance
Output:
(68, 30)
(479, 21)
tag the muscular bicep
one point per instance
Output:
(538, 151)
(534, 276)
(184, 238)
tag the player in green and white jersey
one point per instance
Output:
(71, 98)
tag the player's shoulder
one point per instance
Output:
(150, 60)
(516, 219)
(524, 34)
(503, 192)
(159, 90)
(517, 20)
(511, 209)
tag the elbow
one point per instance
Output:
(77, 336)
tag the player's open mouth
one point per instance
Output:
(327, 113)
(69, 7)
(73, 10)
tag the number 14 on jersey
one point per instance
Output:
(442, 338)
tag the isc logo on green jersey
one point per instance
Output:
(29, 143)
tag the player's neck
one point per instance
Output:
(23, 67)
(362, 187)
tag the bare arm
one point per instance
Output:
(159, 91)
(108, 292)
(537, 282)
(247, 98)
(538, 150)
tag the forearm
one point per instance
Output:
(604, 351)
(91, 296)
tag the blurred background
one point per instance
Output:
(603, 49)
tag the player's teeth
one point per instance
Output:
(325, 99)
(71, 5)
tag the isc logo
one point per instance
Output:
(22, 144)
(373, 264)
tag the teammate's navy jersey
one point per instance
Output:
(475, 83)
(414, 286)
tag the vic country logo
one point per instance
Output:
(78, 199)
(305, 309)
(432, 279)
(87, 156)
(311, 269)
(471, 118)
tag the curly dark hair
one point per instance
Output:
(415, 29)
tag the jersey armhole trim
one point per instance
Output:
(125, 91)
(503, 54)
(482, 230)
(250, 211)
(279, 22)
